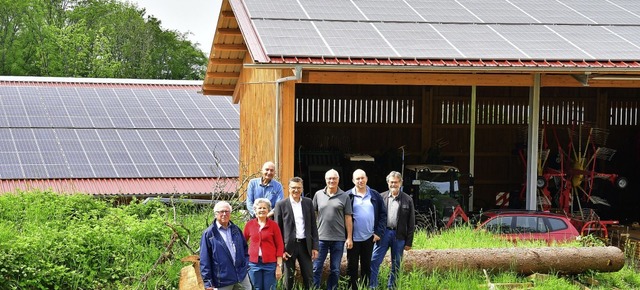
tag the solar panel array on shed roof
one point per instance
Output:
(101, 132)
(463, 29)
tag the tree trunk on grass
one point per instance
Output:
(564, 260)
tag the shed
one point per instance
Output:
(339, 83)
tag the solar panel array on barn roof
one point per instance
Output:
(438, 29)
(51, 130)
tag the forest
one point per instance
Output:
(92, 39)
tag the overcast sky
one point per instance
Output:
(197, 17)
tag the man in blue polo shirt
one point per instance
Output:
(264, 186)
(369, 224)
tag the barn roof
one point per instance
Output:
(130, 136)
(468, 35)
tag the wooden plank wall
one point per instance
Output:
(257, 116)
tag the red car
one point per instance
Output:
(529, 225)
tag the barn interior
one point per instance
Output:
(380, 128)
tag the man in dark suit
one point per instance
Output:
(297, 221)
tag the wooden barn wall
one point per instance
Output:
(257, 116)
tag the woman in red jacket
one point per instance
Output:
(265, 247)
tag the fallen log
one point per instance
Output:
(563, 260)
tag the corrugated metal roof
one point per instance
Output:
(125, 186)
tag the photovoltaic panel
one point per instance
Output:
(386, 10)
(355, 39)
(540, 42)
(109, 133)
(438, 11)
(629, 33)
(332, 10)
(478, 41)
(550, 12)
(424, 40)
(282, 9)
(604, 12)
(599, 41)
(495, 11)
(291, 38)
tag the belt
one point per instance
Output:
(390, 228)
(301, 240)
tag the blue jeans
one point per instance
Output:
(379, 250)
(263, 275)
(335, 249)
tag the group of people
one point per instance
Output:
(362, 220)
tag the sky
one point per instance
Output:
(196, 17)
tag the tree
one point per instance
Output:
(92, 38)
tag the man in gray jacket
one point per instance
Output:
(398, 236)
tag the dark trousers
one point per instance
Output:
(360, 252)
(300, 254)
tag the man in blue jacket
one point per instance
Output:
(224, 253)
(369, 223)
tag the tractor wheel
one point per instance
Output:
(427, 222)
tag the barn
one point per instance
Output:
(116, 137)
(495, 88)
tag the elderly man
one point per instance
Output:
(297, 219)
(334, 228)
(400, 228)
(224, 253)
(264, 186)
(369, 223)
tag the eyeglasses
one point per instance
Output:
(295, 188)
(223, 212)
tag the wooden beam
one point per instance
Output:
(229, 31)
(229, 88)
(216, 93)
(225, 61)
(227, 14)
(417, 78)
(230, 47)
(223, 75)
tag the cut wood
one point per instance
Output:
(563, 260)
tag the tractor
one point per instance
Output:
(436, 194)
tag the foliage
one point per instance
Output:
(92, 38)
(52, 241)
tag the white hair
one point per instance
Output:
(220, 205)
(261, 200)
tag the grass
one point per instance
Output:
(52, 241)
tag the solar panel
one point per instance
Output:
(604, 12)
(386, 10)
(550, 12)
(478, 41)
(540, 42)
(354, 39)
(495, 11)
(599, 41)
(291, 38)
(332, 10)
(438, 11)
(63, 132)
(282, 9)
(424, 40)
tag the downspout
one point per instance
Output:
(297, 75)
